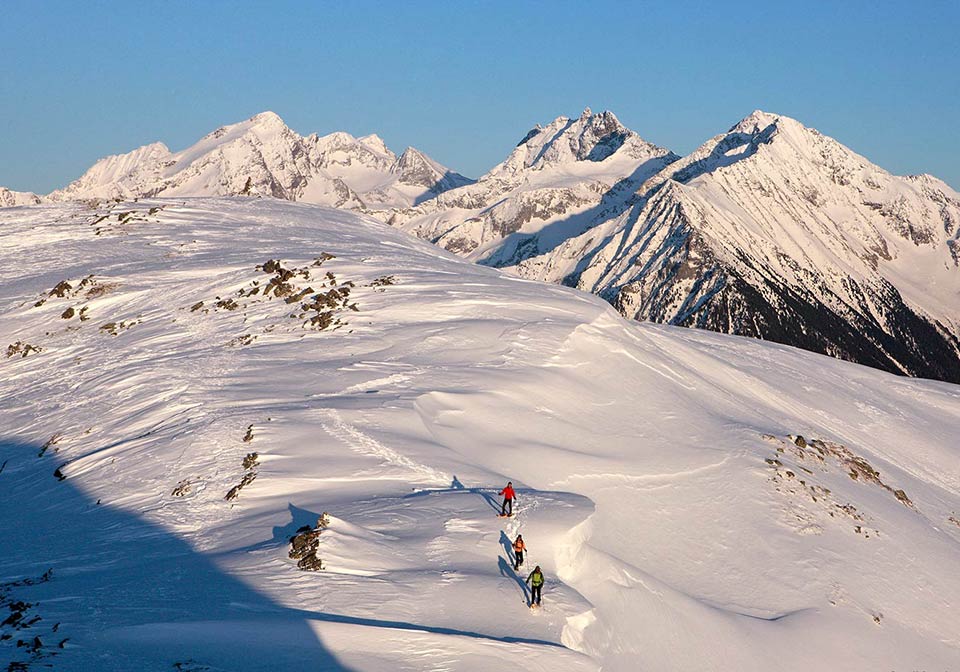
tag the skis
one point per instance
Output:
(503, 515)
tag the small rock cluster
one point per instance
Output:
(184, 488)
(51, 442)
(795, 481)
(23, 349)
(117, 222)
(318, 308)
(115, 328)
(250, 463)
(305, 544)
(87, 288)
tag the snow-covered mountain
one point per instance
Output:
(189, 382)
(9, 198)
(263, 156)
(769, 230)
(551, 187)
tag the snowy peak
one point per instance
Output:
(756, 121)
(10, 198)
(375, 142)
(590, 137)
(414, 168)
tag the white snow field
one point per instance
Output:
(679, 524)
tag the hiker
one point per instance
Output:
(506, 509)
(536, 584)
(518, 548)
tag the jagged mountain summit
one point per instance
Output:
(560, 175)
(262, 156)
(770, 230)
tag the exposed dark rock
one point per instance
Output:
(68, 313)
(52, 441)
(227, 304)
(383, 281)
(184, 488)
(22, 349)
(61, 289)
(305, 543)
(234, 492)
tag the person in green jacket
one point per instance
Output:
(535, 580)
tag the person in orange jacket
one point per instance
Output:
(518, 548)
(506, 509)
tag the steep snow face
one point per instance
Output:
(262, 156)
(164, 352)
(558, 182)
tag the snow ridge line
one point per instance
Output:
(363, 444)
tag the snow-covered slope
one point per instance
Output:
(153, 350)
(769, 230)
(262, 156)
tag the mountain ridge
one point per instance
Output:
(263, 156)
(769, 229)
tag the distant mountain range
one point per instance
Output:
(769, 230)
(261, 156)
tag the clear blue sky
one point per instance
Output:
(464, 81)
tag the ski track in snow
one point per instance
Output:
(332, 423)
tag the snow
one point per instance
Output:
(262, 156)
(669, 530)
(769, 230)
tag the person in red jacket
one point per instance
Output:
(506, 509)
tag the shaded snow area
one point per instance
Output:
(187, 384)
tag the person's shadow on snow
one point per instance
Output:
(507, 547)
(506, 565)
(507, 570)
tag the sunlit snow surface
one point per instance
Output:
(670, 532)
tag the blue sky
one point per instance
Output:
(464, 80)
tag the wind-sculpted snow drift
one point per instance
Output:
(171, 350)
